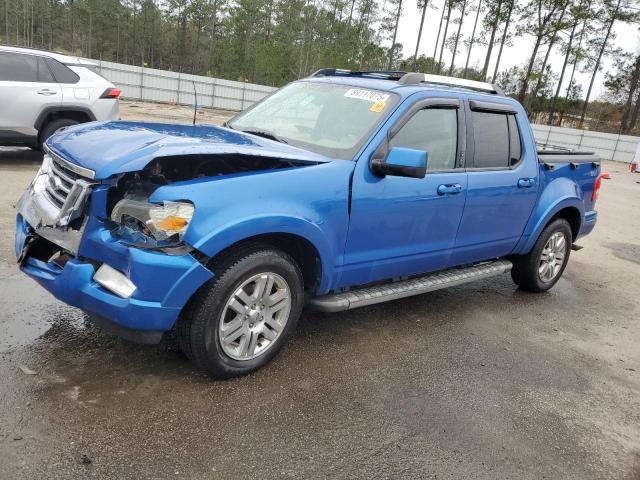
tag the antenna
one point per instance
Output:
(195, 104)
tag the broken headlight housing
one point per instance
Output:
(151, 224)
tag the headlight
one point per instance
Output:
(163, 223)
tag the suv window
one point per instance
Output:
(63, 74)
(496, 140)
(435, 131)
(16, 67)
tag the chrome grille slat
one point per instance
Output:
(60, 199)
(60, 173)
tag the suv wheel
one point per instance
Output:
(238, 322)
(52, 127)
(541, 268)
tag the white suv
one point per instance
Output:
(42, 92)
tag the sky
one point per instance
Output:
(628, 38)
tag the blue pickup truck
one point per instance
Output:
(339, 190)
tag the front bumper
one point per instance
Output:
(164, 282)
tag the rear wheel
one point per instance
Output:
(239, 321)
(54, 126)
(541, 268)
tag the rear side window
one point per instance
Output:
(63, 74)
(496, 140)
(16, 67)
(515, 146)
(435, 131)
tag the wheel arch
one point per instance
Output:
(73, 112)
(566, 208)
(300, 239)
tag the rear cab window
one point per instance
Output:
(496, 139)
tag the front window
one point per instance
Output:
(329, 119)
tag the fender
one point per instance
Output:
(62, 108)
(226, 235)
(557, 195)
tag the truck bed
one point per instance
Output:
(550, 155)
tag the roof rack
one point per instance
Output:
(339, 72)
(411, 78)
(416, 78)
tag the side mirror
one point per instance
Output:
(401, 162)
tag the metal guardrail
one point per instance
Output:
(608, 146)
(142, 83)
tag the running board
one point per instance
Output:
(407, 288)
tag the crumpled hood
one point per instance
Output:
(114, 147)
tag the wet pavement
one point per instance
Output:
(478, 381)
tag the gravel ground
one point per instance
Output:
(481, 381)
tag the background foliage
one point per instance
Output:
(275, 41)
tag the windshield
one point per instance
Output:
(329, 119)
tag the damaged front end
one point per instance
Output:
(54, 205)
(100, 244)
(142, 224)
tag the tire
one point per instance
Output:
(52, 127)
(529, 273)
(201, 327)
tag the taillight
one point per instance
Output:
(111, 93)
(597, 185)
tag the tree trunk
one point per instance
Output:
(424, 11)
(525, 80)
(564, 68)
(494, 27)
(435, 49)
(446, 29)
(634, 116)
(546, 57)
(573, 72)
(597, 65)
(395, 33)
(635, 76)
(502, 41)
(455, 45)
(473, 37)
(6, 21)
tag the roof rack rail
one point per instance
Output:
(416, 78)
(382, 74)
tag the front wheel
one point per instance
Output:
(541, 268)
(238, 322)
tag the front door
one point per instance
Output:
(401, 226)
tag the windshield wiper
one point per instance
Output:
(265, 134)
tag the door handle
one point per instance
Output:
(46, 92)
(526, 183)
(449, 189)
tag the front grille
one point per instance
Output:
(65, 187)
(60, 181)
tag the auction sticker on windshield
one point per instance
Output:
(363, 94)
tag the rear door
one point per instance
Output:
(402, 226)
(26, 88)
(502, 182)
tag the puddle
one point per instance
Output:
(27, 311)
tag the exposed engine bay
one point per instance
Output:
(145, 225)
(166, 170)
